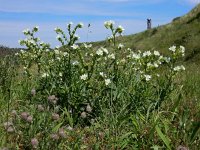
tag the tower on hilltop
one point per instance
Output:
(148, 24)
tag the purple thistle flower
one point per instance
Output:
(33, 92)
(54, 136)
(34, 142)
(83, 115)
(52, 99)
(55, 116)
(29, 119)
(10, 129)
(40, 108)
(24, 115)
(61, 133)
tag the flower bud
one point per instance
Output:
(34, 142)
(89, 108)
(55, 116)
(83, 115)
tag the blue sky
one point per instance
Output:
(17, 15)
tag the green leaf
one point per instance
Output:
(163, 137)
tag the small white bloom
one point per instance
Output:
(57, 52)
(58, 37)
(120, 29)
(172, 48)
(75, 63)
(111, 56)
(57, 47)
(80, 25)
(179, 68)
(99, 52)
(147, 53)
(84, 77)
(155, 64)
(60, 74)
(147, 77)
(102, 74)
(135, 56)
(76, 36)
(26, 31)
(70, 23)
(120, 46)
(65, 53)
(108, 24)
(107, 81)
(149, 65)
(74, 46)
(182, 50)
(87, 45)
(44, 75)
(105, 50)
(156, 53)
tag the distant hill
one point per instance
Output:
(7, 51)
(183, 30)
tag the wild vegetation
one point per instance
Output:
(80, 96)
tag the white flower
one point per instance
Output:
(120, 29)
(22, 51)
(172, 48)
(147, 77)
(80, 25)
(156, 53)
(147, 53)
(111, 56)
(102, 74)
(135, 56)
(149, 65)
(65, 53)
(57, 52)
(120, 46)
(26, 31)
(76, 36)
(84, 77)
(58, 37)
(56, 29)
(87, 45)
(99, 52)
(155, 64)
(182, 50)
(179, 68)
(88, 108)
(75, 63)
(105, 50)
(108, 24)
(57, 47)
(60, 74)
(70, 23)
(167, 59)
(44, 75)
(74, 46)
(107, 81)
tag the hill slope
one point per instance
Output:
(183, 30)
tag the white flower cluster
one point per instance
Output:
(179, 68)
(177, 51)
(84, 77)
(109, 24)
(101, 51)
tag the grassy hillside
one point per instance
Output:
(183, 30)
